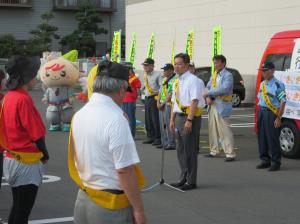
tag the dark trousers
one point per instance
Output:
(167, 136)
(152, 118)
(187, 146)
(1, 168)
(268, 137)
(129, 109)
(23, 201)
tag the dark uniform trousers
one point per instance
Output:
(1, 168)
(268, 137)
(187, 146)
(152, 118)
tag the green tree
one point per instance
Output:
(43, 36)
(9, 46)
(83, 38)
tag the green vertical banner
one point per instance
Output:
(216, 44)
(116, 47)
(173, 53)
(189, 49)
(151, 46)
(132, 52)
(112, 52)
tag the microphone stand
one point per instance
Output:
(162, 181)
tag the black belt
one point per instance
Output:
(149, 97)
(181, 114)
(113, 191)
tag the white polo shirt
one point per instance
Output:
(103, 143)
(190, 88)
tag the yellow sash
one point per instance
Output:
(149, 88)
(22, 157)
(267, 100)
(131, 80)
(214, 85)
(102, 198)
(165, 91)
(90, 80)
(185, 109)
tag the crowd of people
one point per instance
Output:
(102, 156)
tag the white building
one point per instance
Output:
(247, 27)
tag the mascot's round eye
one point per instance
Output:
(62, 73)
(47, 74)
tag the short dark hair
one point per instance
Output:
(2, 75)
(220, 57)
(185, 57)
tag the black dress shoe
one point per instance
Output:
(274, 168)
(149, 141)
(209, 156)
(159, 146)
(187, 187)
(263, 166)
(229, 159)
(170, 148)
(178, 185)
(156, 142)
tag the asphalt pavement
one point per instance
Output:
(227, 193)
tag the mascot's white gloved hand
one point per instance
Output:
(45, 100)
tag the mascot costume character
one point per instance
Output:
(60, 76)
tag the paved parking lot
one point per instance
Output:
(232, 193)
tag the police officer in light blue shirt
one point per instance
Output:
(272, 99)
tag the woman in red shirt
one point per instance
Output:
(2, 77)
(129, 102)
(24, 137)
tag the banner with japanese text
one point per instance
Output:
(189, 49)
(151, 46)
(132, 51)
(173, 53)
(216, 44)
(116, 47)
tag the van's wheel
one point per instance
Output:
(236, 100)
(289, 140)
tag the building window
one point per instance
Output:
(101, 5)
(16, 3)
(105, 4)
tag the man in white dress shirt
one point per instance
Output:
(105, 153)
(188, 104)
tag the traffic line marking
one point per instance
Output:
(55, 220)
(46, 179)
(207, 147)
(234, 116)
(238, 109)
(242, 125)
